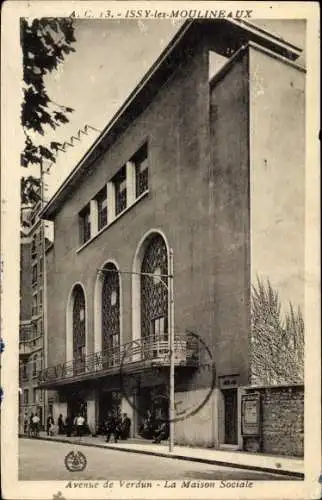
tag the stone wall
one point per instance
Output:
(282, 420)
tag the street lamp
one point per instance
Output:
(170, 289)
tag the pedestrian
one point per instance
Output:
(50, 425)
(80, 420)
(125, 426)
(35, 424)
(31, 425)
(60, 424)
(161, 433)
(25, 424)
(111, 428)
(69, 425)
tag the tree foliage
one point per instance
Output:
(277, 341)
(45, 43)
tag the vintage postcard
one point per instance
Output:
(160, 255)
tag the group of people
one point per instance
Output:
(117, 426)
(76, 425)
(72, 425)
(52, 429)
(32, 425)
(154, 428)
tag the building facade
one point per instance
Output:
(33, 245)
(175, 179)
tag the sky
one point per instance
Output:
(110, 59)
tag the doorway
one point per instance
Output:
(108, 402)
(231, 416)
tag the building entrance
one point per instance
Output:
(153, 407)
(108, 402)
(76, 405)
(231, 415)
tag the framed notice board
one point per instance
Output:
(251, 414)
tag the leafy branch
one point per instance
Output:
(277, 343)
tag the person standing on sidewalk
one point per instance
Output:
(80, 420)
(69, 425)
(111, 428)
(60, 424)
(50, 425)
(35, 424)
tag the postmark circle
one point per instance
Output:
(129, 381)
(75, 461)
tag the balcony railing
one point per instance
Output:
(29, 346)
(138, 354)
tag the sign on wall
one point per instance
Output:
(228, 381)
(251, 414)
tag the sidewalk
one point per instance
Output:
(252, 461)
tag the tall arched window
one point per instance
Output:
(154, 294)
(111, 315)
(79, 329)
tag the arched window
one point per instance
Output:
(111, 315)
(153, 292)
(79, 329)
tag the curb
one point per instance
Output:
(257, 468)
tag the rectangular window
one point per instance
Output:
(120, 191)
(33, 247)
(26, 396)
(39, 328)
(24, 372)
(34, 274)
(41, 267)
(35, 366)
(101, 199)
(140, 159)
(85, 224)
(35, 395)
(40, 302)
(34, 310)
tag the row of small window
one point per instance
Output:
(130, 182)
(37, 301)
(37, 396)
(31, 368)
(37, 272)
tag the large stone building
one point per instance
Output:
(194, 166)
(33, 245)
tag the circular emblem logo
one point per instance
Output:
(203, 372)
(75, 461)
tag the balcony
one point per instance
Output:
(27, 347)
(135, 356)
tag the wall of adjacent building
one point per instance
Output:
(25, 279)
(277, 174)
(282, 421)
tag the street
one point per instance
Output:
(43, 460)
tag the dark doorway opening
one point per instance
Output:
(153, 407)
(108, 402)
(76, 406)
(231, 416)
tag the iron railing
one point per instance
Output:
(144, 353)
(27, 347)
